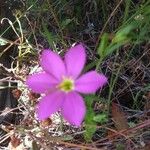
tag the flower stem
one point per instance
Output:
(98, 64)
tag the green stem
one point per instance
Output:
(99, 63)
(111, 87)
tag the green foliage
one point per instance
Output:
(91, 119)
(101, 118)
(49, 36)
(90, 125)
(65, 23)
(134, 31)
(123, 36)
(103, 45)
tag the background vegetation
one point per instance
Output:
(116, 35)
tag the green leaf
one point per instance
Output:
(111, 48)
(123, 34)
(101, 118)
(65, 23)
(103, 45)
(48, 35)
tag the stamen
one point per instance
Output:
(66, 85)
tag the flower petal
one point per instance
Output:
(50, 104)
(73, 108)
(52, 63)
(41, 82)
(75, 59)
(90, 82)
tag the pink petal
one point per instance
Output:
(41, 82)
(52, 64)
(90, 82)
(49, 104)
(73, 108)
(75, 59)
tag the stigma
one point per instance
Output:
(66, 85)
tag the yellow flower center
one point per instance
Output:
(66, 85)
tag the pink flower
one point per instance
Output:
(61, 82)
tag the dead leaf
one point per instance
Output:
(119, 117)
(16, 93)
(47, 122)
(15, 141)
